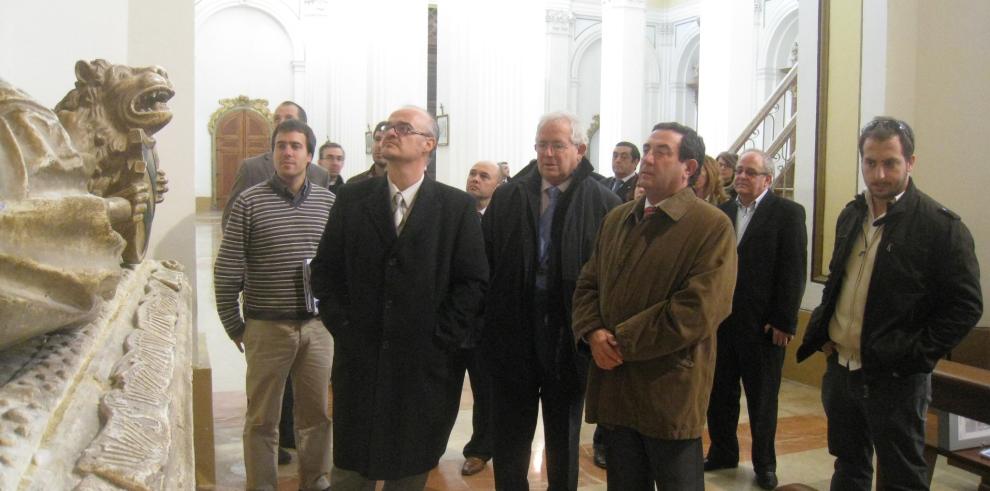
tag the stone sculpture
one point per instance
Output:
(78, 187)
(95, 341)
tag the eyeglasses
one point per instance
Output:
(404, 129)
(725, 165)
(750, 172)
(556, 146)
(897, 126)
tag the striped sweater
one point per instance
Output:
(268, 236)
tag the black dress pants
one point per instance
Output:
(517, 401)
(751, 357)
(636, 462)
(882, 413)
(482, 420)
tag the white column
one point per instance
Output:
(490, 84)
(314, 22)
(559, 21)
(347, 91)
(623, 39)
(726, 100)
(395, 32)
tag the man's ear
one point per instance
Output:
(582, 149)
(692, 166)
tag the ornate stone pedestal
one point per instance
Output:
(106, 405)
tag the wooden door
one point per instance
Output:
(240, 133)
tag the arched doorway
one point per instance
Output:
(241, 128)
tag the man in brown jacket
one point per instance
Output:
(648, 303)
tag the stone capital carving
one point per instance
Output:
(641, 4)
(259, 106)
(315, 7)
(559, 21)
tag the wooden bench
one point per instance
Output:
(963, 390)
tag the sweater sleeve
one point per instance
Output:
(229, 269)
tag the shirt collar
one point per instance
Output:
(562, 186)
(408, 194)
(282, 190)
(674, 206)
(869, 205)
(755, 203)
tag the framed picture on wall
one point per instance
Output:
(368, 141)
(443, 139)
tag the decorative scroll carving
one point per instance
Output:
(112, 391)
(259, 106)
(559, 21)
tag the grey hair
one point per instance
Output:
(768, 163)
(578, 136)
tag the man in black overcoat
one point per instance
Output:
(540, 228)
(772, 241)
(400, 274)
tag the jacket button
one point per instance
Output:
(388, 304)
(384, 345)
(392, 261)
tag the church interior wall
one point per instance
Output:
(39, 58)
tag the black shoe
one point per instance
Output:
(284, 457)
(714, 465)
(600, 456)
(766, 479)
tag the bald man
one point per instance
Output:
(400, 274)
(483, 178)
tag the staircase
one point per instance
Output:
(772, 130)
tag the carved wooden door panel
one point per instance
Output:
(239, 133)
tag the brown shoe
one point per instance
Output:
(472, 466)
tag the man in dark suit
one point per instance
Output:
(400, 274)
(625, 159)
(540, 228)
(261, 168)
(772, 247)
(332, 159)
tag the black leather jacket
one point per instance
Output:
(924, 295)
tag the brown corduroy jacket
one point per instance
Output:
(662, 286)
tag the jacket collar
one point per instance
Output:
(894, 210)
(675, 206)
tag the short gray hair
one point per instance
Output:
(768, 163)
(578, 136)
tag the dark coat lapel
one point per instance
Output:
(760, 218)
(378, 210)
(424, 209)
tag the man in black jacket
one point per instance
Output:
(400, 273)
(540, 228)
(903, 290)
(772, 243)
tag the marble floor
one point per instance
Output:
(801, 443)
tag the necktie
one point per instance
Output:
(399, 203)
(649, 211)
(546, 222)
(616, 185)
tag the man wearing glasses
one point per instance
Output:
(772, 243)
(903, 290)
(539, 230)
(400, 274)
(625, 159)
